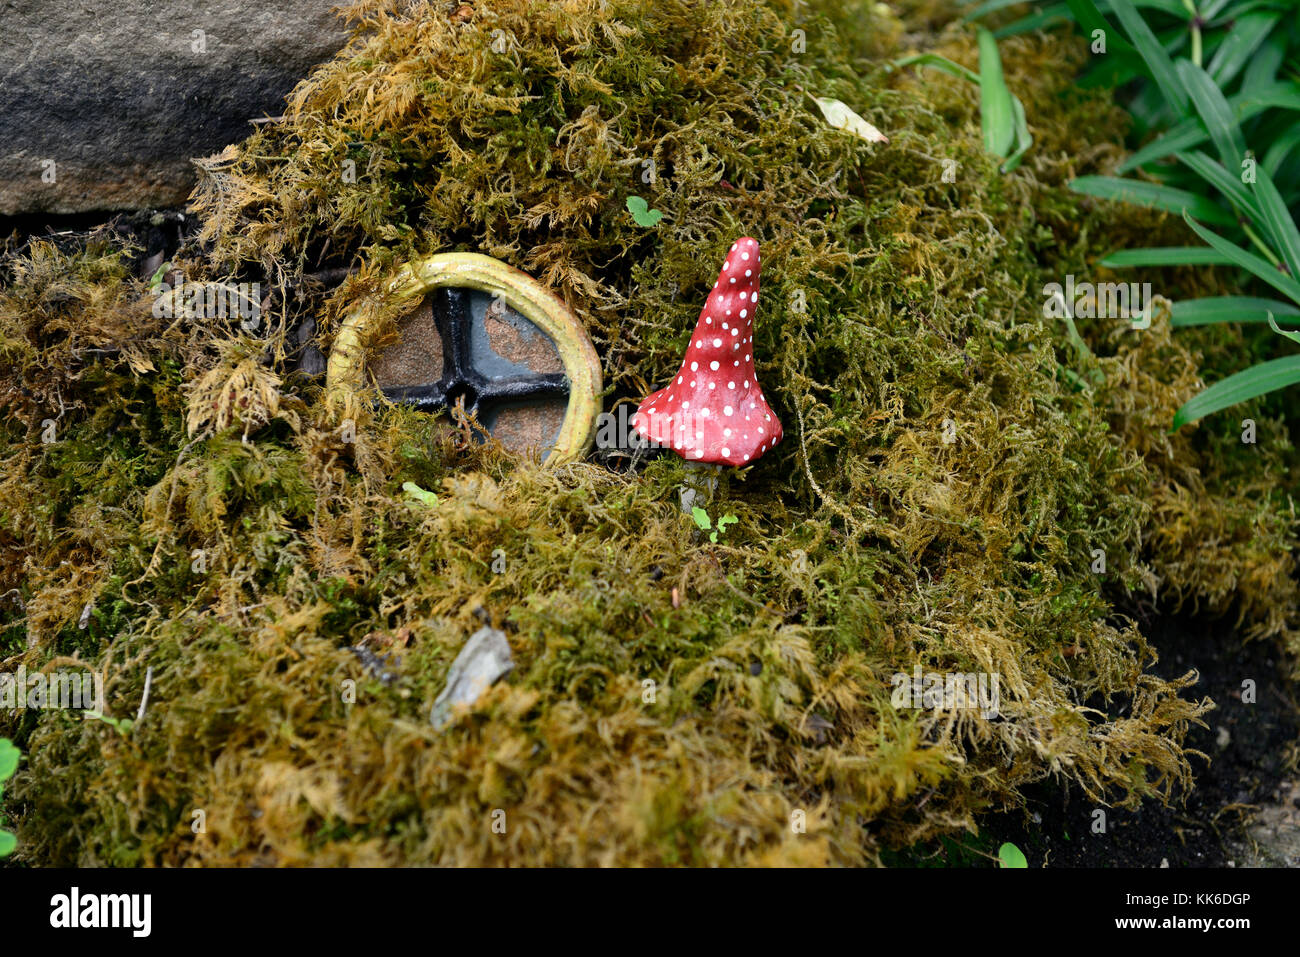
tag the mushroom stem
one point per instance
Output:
(701, 482)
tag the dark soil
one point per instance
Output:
(1252, 749)
(156, 233)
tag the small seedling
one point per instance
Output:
(423, 496)
(642, 213)
(9, 756)
(705, 524)
(1011, 856)
(155, 283)
(121, 725)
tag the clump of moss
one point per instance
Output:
(951, 465)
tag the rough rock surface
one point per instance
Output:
(102, 103)
(484, 659)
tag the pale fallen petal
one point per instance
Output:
(842, 118)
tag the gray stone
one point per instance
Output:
(111, 100)
(483, 661)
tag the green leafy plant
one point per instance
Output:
(704, 523)
(642, 213)
(1011, 856)
(423, 496)
(1218, 75)
(1002, 115)
(122, 726)
(9, 756)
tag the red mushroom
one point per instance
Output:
(714, 411)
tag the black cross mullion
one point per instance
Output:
(523, 387)
(460, 380)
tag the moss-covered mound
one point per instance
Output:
(198, 514)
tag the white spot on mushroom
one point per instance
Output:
(699, 453)
(716, 343)
(749, 272)
(726, 452)
(714, 364)
(731, 385)
(743, 313)
(694, 366)
(727, 410)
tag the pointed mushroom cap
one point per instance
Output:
(714, 410)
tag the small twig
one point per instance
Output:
(144, 701)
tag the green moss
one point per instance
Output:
(865, 544)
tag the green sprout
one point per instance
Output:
(642, 213)
(121, 725)
(9, 756)
(1012, 856)
(423, 496)
(704, 523)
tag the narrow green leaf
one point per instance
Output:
(1035, 21)
(1263, 67)
(1278, 223)
(1191, 131)
(1185, 135)
(1090, 19)
(1165, 256)
(1226, 183)
(996, 112)
(1213, 309)
(1284, 95)
(7, 843)
(1291, 334)
(1278, 151)
(1239, 387)
(937, 62)
(1154, 195)
(1215, 111)
(1248, 261)
(1157, 60)
(990, 6)
(1024, 139)
(1175, 8)
(1247, 33)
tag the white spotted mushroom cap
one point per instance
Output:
(714, 410)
